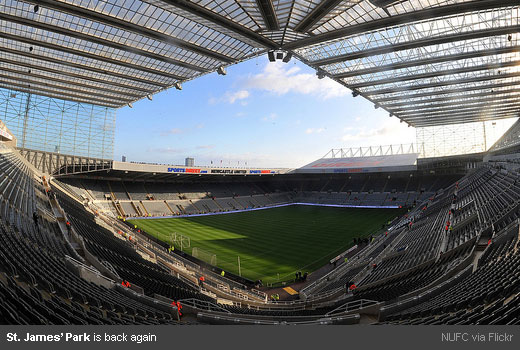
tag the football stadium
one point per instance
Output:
(422, 233)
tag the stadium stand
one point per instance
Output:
(37, 285)
(69, 256)
(135, 199)
(419, 272)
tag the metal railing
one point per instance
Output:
(86, 267)
(352, 305)
(371, 151)
(203, 305)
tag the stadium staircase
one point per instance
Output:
(169, 208)
(137, 208)
(193, 203)
(126, 190)
(218, 205)
(142, 209)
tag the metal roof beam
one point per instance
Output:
(50, 84)
(98, 40)
(268, 14)
(222, 21)
(414, 44)
(320, 11)
(464, 116)
(513, 108)
(128, 26)
(427, 61)
(89, 55)
(86, 68)
(457, 101)
(73, 82)
(448, 98)
(77, 78)
(460, 108)
(409, 17)
(444, 92)
(51, 93)
(441, 84)
(463, 120)
(433, 74)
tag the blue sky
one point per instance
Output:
(261, 113)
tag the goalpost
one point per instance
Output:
(203, 255)
(179, 241)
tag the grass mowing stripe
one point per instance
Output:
(274, 242)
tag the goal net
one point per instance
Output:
(180, 241)
(203, 255)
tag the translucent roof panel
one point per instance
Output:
(420, 60)
(437, 61)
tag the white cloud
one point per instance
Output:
(205, 147)
(314, 131)
(280, 79)
(390, 132)
(238, 95)
(231, 97)
(270, 117)
(174, 131)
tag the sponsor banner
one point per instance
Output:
(218, 171)
(228, 171)
(262, 172)
(179, 169)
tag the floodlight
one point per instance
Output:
(221, 71)
(149, 97)
(287, 57)
(178, 86)
(270, 55)
(355, 93)
(130, 105)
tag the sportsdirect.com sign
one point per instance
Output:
(219, 171)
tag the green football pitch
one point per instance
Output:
(272, 244)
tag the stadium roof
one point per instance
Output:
(428, 62)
